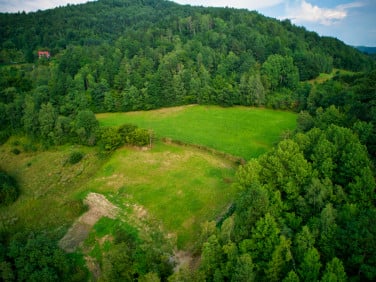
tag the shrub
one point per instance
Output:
(16, 151)
(110, 138)
(8, 189)
(126, 129)
(139, 137)
(75, 157)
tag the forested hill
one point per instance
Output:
(132, 26)
(123, 55)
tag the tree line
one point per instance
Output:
(304, 210)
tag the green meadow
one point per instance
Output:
(240, 131)
(177, 187)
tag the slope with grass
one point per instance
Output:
(180, 187)
(239, 131)
(169, 188)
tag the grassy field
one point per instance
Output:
(239, 131)
(327, 76)
(178, 187)
(48, 185)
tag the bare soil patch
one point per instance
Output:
(182, 259)
(99, 207)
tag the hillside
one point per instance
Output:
(121, 127)
(119, 55)
(152, 23)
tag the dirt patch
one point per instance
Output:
(99, 207)
(182, 259)
(140, 211)
(93, 267)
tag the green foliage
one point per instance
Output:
(132, 257)
(296, 213)
(139, 137)
(334, 271)
(291, 277)
(279, 72)
(9, 190)
(211, 256)
(165, 58)
(110, 138)
(36, 257)
(264, 238)
(310, 267)
(75, 157)
(301, 206)
(16, 151)
(85, 127)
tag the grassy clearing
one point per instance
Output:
(327, 76)
(48, 186)
(179, 187)
(239, 131)
(175, 187)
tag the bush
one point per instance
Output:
(75, 157)
(139, 137)
(126, 129)
(16, 151)
(110, 138)
(8, 189)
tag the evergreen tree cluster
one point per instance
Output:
(304, 210)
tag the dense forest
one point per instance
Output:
(305, 210)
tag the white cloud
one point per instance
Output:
(34, 5)
(306, 12)
(243, 4)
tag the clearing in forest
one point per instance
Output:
(240, 131)
(179, 187)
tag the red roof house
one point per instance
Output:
(45, 54)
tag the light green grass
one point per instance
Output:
(179, 187)
(48, 185)
(323, 77)
(239, 131)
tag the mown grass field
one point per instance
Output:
(239, 131)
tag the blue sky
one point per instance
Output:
(351, 21)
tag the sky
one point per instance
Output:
(352, 21)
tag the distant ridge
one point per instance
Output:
(366, 49)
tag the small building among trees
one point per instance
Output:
(44, 54)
